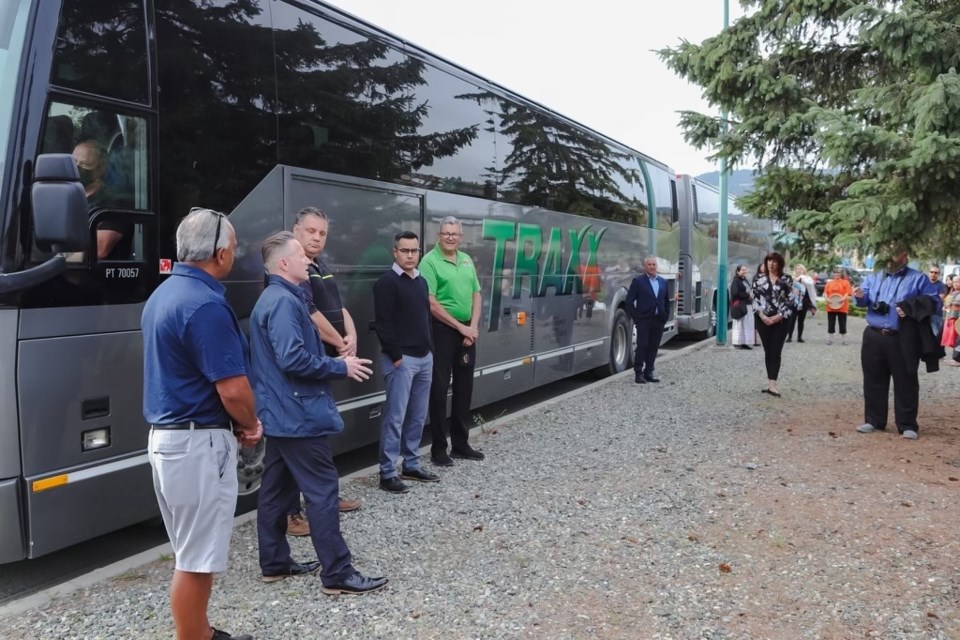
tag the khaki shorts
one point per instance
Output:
(195, 479)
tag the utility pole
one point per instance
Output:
(722, 285)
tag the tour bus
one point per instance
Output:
(118, 116)
(748, 241)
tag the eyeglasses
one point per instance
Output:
(450, 234)
(409, 252)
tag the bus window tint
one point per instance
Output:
(664, 196)
(547, 162)
(345, 102)
(218, 93)
(454, 147)
(102, 49)
(631, 190)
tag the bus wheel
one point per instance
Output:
(621, 339)
(250, 467)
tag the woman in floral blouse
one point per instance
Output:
(771, 300)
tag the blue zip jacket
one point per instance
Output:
(289, 367)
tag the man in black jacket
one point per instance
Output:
(647, 305)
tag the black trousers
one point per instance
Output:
(881, 360)
(796, 320)
(832, 318)
(292, 465)
(450, 356)
(772, 338)
(649, 333)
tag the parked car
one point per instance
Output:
(820, 280)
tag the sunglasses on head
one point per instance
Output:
(220, 217)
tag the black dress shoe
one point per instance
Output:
(441, 459)
(799, 339)
(223, 635)
(295, 569)
(746, 346)
(393, 485)
(419, 475)
(355, 585)
(651, 379)
(638, 378)
(467, 454)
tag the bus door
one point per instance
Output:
(79, 347)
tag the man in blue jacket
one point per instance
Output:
(295, 405)
(647, 305)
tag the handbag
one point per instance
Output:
(949, 333)
(738, 309)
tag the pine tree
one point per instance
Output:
(849, 110)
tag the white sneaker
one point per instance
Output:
(843, 340)
(866, 428)
(910, 434)
(829, 341)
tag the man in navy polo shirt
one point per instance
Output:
(199, 404)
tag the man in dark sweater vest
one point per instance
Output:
(402, 312)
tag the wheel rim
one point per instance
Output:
(620, 347)
(250, 467)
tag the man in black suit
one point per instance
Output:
(647, 305)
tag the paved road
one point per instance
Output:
(30, 576)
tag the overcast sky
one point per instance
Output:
(591, 62)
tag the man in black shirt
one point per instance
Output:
(335, 323)
(402, 311)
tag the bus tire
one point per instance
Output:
(621, 338)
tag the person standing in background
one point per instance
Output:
(402, 318)
(771, 296)
(883, 356)
(647, 305)
(952, 306)
(744, 329)
(837, 292)
(805, 297)
(454, 291)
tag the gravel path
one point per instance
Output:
(696, 508)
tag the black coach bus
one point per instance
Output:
(118, 116)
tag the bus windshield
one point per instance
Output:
(13, 28)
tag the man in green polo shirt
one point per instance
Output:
(454, 292)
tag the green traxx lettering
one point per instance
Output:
(541, 275)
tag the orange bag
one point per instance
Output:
(949, 338)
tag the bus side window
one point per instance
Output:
(111, 155)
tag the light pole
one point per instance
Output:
(722, 223)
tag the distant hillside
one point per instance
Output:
(741, 181)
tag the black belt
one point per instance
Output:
(884, 332)
(190, 425)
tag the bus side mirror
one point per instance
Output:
(59, 205)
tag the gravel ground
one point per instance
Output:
(696, 508)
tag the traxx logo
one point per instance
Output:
(544, 269)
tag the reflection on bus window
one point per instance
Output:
(110, 150)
